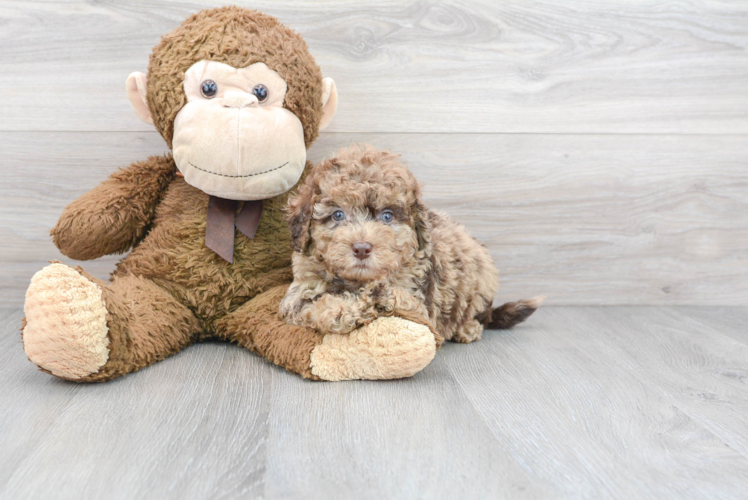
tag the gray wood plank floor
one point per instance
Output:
(580, 402)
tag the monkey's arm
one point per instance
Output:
(113, 216)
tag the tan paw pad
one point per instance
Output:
(388, 348)
(66, 330)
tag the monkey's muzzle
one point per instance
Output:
(237, 149)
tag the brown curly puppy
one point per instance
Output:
(365, 245)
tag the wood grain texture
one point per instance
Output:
(603, 219)
(106, 441)
(415, 66)
(579, 402)
(592, 369)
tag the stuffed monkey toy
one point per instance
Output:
(238, 99)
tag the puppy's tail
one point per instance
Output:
(513, 313)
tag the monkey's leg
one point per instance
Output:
(80, 328)
(388, 348)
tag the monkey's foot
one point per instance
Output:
(388, 348)
(65, 330)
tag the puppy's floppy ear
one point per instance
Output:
(299, 215)
(423, 228)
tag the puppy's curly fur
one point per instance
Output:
(365, 246)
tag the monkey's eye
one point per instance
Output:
(387, 217)
(261, 92)
(209, 89)
(338, 215)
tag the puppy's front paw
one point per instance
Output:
(344, 322)
(335, 319)
(380, 298)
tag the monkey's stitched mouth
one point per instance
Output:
(236, 176)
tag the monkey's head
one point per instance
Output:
(239, 99)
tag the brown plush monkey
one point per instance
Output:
(238, 98)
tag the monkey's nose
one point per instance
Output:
(361, 250)
(235, 99)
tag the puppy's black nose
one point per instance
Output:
(361, 250)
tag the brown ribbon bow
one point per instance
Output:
(222, 219)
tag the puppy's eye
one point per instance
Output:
(261, 92)
(387, 217)
(338, 215)
(209, 89)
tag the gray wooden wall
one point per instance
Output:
(600, 149)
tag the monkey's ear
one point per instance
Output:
(329, 102)
(136, 91)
